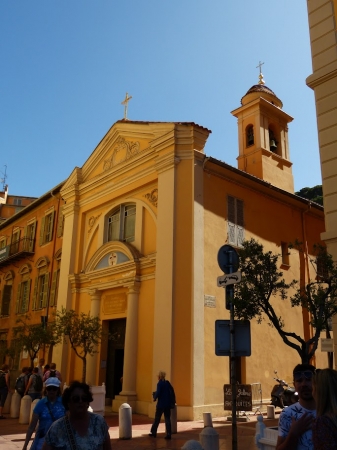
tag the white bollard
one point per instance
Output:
(270, 412)
(209, 439)
(207, 419)
(125, 421)
(7, 404)
(15, 406)
(32, 406)
(26, 402)
(192, 445)
(174, 428)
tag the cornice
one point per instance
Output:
(322, 76)
(166, 162)
(70, 209)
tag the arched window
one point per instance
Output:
(122, 223)
(249, 135)
(272, 140)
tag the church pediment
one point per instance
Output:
(112, 254)
(111, 259)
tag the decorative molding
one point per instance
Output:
(131, 148)
(92, 221)
(152, 197)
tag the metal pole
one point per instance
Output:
(233, 360)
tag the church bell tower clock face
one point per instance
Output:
(263, 136)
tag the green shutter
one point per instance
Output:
(52, 226)
(53, 289)
(45, 290)
(28, 294)
(32, 237)
(17, 305)
(35, 293)
(42, 231)
(25, 239)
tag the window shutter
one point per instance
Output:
(51, 226)
(231, 220)
(45, 290)
(18, 294)
(41, 240)
(32, 237)
(28, 295)
(35, 293)
(53, 289)
(240, 223)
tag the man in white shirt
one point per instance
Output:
(296, 420)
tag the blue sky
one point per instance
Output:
(66, 66)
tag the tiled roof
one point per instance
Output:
(261, 88)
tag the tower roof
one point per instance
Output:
(261, 90)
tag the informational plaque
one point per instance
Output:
(243, 397)
(114, 303)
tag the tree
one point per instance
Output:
(32, 337)
(83, 331)
(315, 194)
(263, 286)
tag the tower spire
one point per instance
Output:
(261, 80)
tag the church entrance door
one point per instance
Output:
(115, 359)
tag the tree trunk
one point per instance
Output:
(84, 370)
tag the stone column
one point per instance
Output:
(128, 393)
(92, 361)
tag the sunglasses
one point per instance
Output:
(300, 376)
(79, 398)
(51, 388)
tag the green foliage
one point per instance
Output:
(31, 337)
(314, 194)
(83, 331)
(263, 287)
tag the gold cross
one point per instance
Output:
(125, 103)
(261, 80)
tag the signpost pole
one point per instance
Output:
(230, 291)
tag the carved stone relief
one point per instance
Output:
(152, 197)
(129, 148)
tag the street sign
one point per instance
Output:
(242, 338)
(326, 345)
(228, 259)
(243, 397)
(231, 278)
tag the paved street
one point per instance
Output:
(12, 434)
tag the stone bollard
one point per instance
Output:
(32, 406)
(125, 421)
(209, 439)
(15, 406)
(174, 429)
(26, 402)
(7, 405)
(270, 412)
(207, 419)
(192, 445)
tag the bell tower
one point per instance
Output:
(263, 137)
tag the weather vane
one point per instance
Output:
(261, 80)
(125, 103)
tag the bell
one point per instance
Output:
(273, 145)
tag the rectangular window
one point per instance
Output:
(122, 224)
(47, 227)
(129, 223)
(114, 227)
(54, 287)
(22, 301)
(236, 229)
(6, 299)
(3, 243)
(42, 291)
(29, 239)
(15, 242)
(285, 253)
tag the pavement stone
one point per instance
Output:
(12, 434)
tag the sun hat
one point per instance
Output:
(52, 381)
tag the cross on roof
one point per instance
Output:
(261, 80)
(125, 103)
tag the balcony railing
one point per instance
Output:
(16, 250)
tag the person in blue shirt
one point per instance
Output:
(46, 411)
(162, 394)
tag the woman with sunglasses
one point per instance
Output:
(46, 411)
(79, 429)
(324, 430)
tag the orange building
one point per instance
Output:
(12, 204)
(30, 257)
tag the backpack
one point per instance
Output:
(3, 379)
(172, 396)
(52, 373)
(20, 385)
(37, 383)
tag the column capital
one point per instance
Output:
(133, 287)
(95, 294)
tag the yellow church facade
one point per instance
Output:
(144, 219)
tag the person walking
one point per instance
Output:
(35, 385)
(324, 429)
(79, 429)
(46, 411)
(4, 386)
(164, 404)
(52, 372)
(295, 423)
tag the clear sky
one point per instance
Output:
(66, 66)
